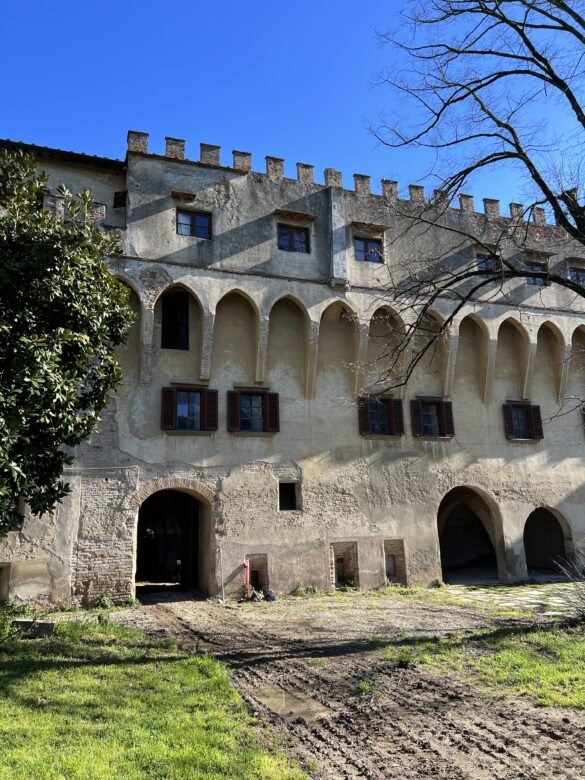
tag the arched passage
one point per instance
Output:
(544, 542)
(171, 544)
(469, 541)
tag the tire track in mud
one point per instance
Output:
(411, 724)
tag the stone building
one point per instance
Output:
(236, 436)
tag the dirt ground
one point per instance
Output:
(301, 664)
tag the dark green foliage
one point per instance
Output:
(62, 315)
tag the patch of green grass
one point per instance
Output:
(546, 664)
(318, 663)
(100, 702)
(367, 687)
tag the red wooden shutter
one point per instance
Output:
(209, 399)
(272, 418)
(233, 411)
(416, 418)
(508, 421)
(536, 423)
(446, 418)
(396, 416)
(363, 405)
(168, 409)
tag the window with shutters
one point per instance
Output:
(292, 238)
(194, 223)
(175, 320)
(253, 411)
(188, 408)
(380, 416)
(522, 421)
(432, 417)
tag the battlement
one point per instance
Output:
(210, 154)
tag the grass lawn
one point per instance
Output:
(544, 663)
(102, 702)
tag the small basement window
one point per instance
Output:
(287, 496)
(194, 223)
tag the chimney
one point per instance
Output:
(275, 167)
(305, 173)
(390, 190)
(491, 208)
(175, 148)
(333, 178)
(137, 142)
(516, 211)
(466, 203)
(417, 193)
(242, 161)
(539, 215)
(209, 154)
(361, 184)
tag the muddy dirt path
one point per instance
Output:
(314, 671)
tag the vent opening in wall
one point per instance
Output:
(4, 581)
(343, 561)
(288, 496)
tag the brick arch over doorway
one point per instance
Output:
(203, 576)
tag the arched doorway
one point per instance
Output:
(168, 551)
(467, 538)
(544, 543)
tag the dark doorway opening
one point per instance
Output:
(467, 551)
(168, 542)
(544, 543)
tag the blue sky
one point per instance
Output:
(289, 80)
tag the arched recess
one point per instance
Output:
(178, 324)
(288, 346)
(511, 361)
(235, 339)
(471, 540)
(129, 353)
(548, 366)
(548, 541)
(173, 538)
(337, 354)
(428, 376)
(386, 355)
(472, 358)
(575, 393)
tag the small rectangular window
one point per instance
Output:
(194, 223)
(379, 417)
(251, 412)
(119, 199)
(287, 496)
(188, 408)
(368, 249)
(293, 239)
(487, 264)
(577, 275)
(430, 418)
(538, 281)
(522, 420)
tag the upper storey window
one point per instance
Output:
(538, 281)
(368, 249)
(487, 264)
(292, 238)
(432, 417)
(522, 420)
(175, 320)
(577, 275)
(194, 223)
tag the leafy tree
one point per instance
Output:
(62, 315)
(483, 84)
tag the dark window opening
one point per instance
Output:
(287, 496)
(538, 281)
(432, 417)
(194, 223)
(390, 566)
(522, 421)
(185, 408)
(175, 320)
(253, 412)
(380, 416)
(368, 249)
(577, 275)
(120, 200)
(487, 264)
(293, 239)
